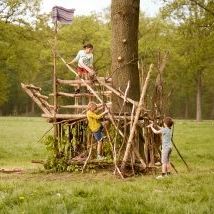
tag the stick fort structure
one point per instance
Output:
(134, 148)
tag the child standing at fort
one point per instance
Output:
(166, 132)
(95, 126)
(84, 58)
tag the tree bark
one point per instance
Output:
(32, 107)
(212, 112)
(186, 112)
(124, 47)
(198, 97)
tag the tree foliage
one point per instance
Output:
(184, 30)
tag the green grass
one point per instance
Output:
(36, 191)
(19, 140)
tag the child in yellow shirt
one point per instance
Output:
(95, 126)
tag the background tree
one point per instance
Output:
(195, 31)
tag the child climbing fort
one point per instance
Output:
(96, 126)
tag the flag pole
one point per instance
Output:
(65, 16)
(54, 77)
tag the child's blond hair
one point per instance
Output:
(92, 105)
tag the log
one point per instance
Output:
(38, 161)
(118, 122)
(105, 93)
(72, 95)
(137, 115)
(50, 107)
(83, 106)
(81, 116)
(37, 94)
(79, 82)
(16, 170)
(65, 116)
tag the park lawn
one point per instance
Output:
(36, 191)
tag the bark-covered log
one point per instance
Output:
(124, 48)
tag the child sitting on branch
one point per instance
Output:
(166, 132)
(96, 126)
(84, 58)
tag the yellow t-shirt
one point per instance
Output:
(93, 120)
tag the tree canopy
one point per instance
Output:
(183, 30)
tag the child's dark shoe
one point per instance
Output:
(77, 91)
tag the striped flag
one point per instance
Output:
(62, 15)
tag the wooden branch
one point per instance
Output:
(105, 93)
(64, 94)
(118, 93)
(36, 100)
(132, 116)
(65, 116)
(50, 107)
(31, 86)
(79, 116)
(41, 96)
(95, 94)
(138, 111)
(163, 63)
(203, 6)
(118, 122)
(83, 106)
(114, 153)
(47, 105)
(3, 170)
(79, 82)
(38, 161)
(83, 81)
(89, 155)
(124, 139)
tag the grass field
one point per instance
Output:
(36, 191)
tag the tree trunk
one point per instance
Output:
(32, 107)
(186, 112)
(15, 110)
(198, 97)
(124, 47)
(212, 112)
(158, 92)
(27, 109)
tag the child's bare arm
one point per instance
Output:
(154, 130)
(97, 116)
(71, 62)
(159, 127)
